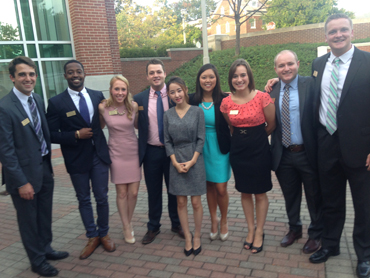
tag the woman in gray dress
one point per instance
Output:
(184, 135)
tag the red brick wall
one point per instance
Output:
(314, 35)
(95, 35)
(364, 48)
(135, 71)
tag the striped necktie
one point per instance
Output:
(37, 125)
(332, 107)
(285, 117)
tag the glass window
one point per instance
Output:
(55, 50)
(31, 51)
(27, 21)
(9, 25)
(252, 21)
(54, 78)
(10, 51)
(51, 20)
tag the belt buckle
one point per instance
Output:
(243, 131)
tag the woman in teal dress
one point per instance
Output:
(208, 96)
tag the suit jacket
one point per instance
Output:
(353, 121)
(20, 149)
(142, 100)
(305, 92)
(77, 153)
(222, 128)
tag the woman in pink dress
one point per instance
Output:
(119, 113)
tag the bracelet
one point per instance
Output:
(78, 134)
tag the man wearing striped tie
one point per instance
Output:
(25, 154)
(342, 99)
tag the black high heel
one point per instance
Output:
(258, 249)
(189, 252)
(246, 243)
(197, 251)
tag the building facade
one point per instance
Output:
(52, 32)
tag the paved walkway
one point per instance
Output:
(164, 257)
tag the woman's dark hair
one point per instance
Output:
(217, 92)
(177, 80)
(237, 63)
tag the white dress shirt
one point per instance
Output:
(76, 100)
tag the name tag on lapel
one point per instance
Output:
(315, 73)
(71, 113)
(25, 122)
(141, 108)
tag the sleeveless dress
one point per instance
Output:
(123, 148)
(250, 155)
(217, 164)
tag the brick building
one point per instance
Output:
(226, 25)
(52, 32)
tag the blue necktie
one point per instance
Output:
(37, 125)
(84, 111)
(160, 112)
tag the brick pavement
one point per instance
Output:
(164, 257)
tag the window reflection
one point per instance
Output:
(9, 27)
(54, 78)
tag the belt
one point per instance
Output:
(295, 148)
(154, 146)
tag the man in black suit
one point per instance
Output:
(294, 149)
(342, 99)
(25, 154)
(151, 149)
(73, 119)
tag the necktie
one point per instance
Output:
(160, 116)
(285, 117)
(331, 114)
(37, 125)
(84, 111)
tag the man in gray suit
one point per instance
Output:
(294, 149)
(25, 153)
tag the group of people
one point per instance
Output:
(320, 136)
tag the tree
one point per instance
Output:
(193, 9)
(9, 33)
(242, 12)
(287, 13)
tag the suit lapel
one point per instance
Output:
(352, 71)
(146, 104)
(70, 106)
(302, 92)
(276, 94)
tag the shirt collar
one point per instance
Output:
(163, 91)
(293, 84)
(72, 92)
(345, 57)
(22, 97)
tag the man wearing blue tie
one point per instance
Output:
(73, 120)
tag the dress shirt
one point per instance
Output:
(344, 63)
(76, 100)
(295, 119)
(24, 101)
(153, 136)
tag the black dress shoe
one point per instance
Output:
(290, 237)
(363, 269)
(150, 236)
(312, 245)
(56, 255)
(322, 255)
(179, 231)
(197, 251)
(45, 269)
(188, 252)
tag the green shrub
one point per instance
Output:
(261, 59)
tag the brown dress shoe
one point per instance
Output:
(290, 237)
(90, 247)
(179, 231)
(150, 236)
(108, 244)
(311, 246)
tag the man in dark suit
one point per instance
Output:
(73, 119)
(342, 99)
(294, 149)
(25, 154)
(151, 149)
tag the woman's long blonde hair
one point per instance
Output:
(128, 99)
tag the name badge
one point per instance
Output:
(315, 73)
(141, 107)
(234, 112)
(113, 112)
(25, 122)
(71, 113)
